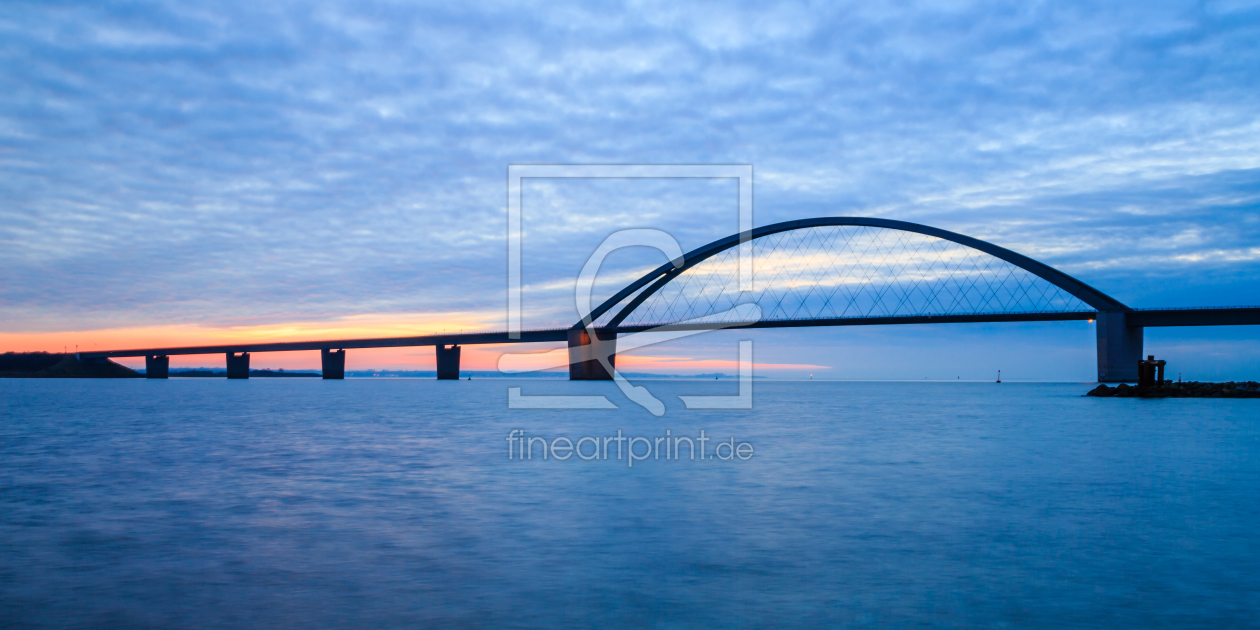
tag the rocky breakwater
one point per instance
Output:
(1189, 389)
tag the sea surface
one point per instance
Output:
(392, 503)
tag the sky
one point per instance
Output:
(175, 173)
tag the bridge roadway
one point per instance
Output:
(447, 344)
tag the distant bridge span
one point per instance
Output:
(828, 271)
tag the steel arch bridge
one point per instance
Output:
(936, 267)
(827, 271)
(833, 271)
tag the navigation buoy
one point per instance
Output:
(999, 376)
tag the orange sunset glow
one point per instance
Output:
(353, 327)
(474, 357)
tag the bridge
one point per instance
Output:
(827, 271)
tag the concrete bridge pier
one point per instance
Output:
(1119, 348)
(238, 365)
(447, 363)
(584, 351)
(157, 366)
(333, 363)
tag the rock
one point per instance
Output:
(1170, 389)
(1102, 391)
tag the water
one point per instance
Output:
(392, 503)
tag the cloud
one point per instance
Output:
(163, 164)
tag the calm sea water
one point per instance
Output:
(392, 503)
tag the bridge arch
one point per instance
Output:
(653, 282)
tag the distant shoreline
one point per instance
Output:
(207, 373)
(60, 365)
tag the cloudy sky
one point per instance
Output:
(176, 173)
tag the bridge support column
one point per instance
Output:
(447, 363)
(238, 365)
(583, 352)
(1119, 348)
(156, 366)
(333, 363)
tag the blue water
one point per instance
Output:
(392, 503)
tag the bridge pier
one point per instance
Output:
(1119, 348)
(447, 362)
(238, 365)
(333, 363)
(157, 366)
(583, 362)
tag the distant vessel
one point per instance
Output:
(999, 376)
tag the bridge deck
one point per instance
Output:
(1226, 316)
(527, 336)
(1223, 316)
